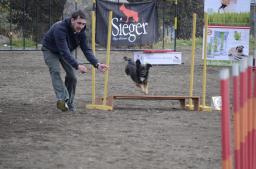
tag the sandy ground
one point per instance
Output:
(136, 135)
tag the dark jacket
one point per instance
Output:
(61, 39)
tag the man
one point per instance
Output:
(58, 43)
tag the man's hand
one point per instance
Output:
(102, 67)
(82, 69)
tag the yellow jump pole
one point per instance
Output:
(93, 49)
(203, 107)
(175, 18)
(103, 105)
(175, 23)
(191, 84)
(106, 77)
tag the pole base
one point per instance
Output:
(205, 108)
(189, 107)
(99, 107)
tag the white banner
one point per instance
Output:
(227, 42)
(159, 58)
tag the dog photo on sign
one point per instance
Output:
(138, 72)
(236, 53)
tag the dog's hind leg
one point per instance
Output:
(146, 89)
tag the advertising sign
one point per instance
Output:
(228, 31)
(227, 42)
(132, 23)
(167, 58)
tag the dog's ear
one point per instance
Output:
(148, 65)
(241, 47)
(126, 58)
(138, 63)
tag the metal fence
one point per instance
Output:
(23, 23)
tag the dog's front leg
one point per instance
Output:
(142, 88)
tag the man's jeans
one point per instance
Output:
(62, 91)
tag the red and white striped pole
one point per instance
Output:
(225, 120)
(254, 120)
(250, 112)
(243, 113)
(236, 109)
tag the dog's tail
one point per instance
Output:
(127, 59)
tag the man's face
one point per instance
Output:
(78, 24)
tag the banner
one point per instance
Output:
(132, 24)
(158, 58)
(228, 31)
(225, 41)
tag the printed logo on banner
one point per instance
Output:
(129, 13)
(132, 24)
(128, 30)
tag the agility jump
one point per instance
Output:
(106, 102)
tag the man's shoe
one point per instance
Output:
(71, 108)
(62, 105)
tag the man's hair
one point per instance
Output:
(77, 14)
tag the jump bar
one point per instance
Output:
(182, 99)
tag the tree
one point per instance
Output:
(185, 10)
(33, 17)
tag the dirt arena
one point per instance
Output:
(136, 135)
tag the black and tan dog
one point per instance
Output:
(138, 73)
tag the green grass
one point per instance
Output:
(19, 43)
(29, 43)
(182, 42)
(188, 42)
(179, 42)
(234, 19)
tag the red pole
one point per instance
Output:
(250, 115)
(235, 73)
(243, 113)
(254, 120)
(225, 120)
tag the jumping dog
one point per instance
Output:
(138, 72)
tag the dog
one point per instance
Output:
(224, 4)
(129, 13)
(236, 52)
(138, 72)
